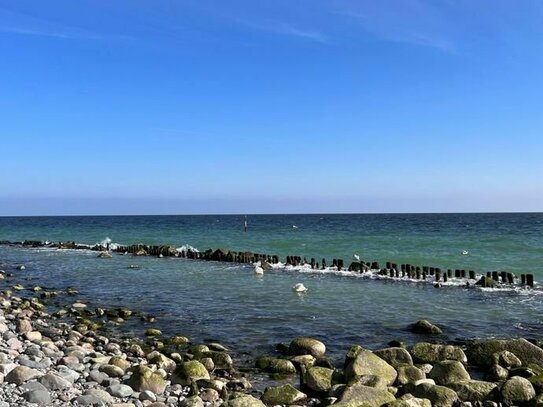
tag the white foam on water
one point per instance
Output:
(186, 248)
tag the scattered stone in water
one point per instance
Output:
(153, 332)
(307, 346)
(424, 326)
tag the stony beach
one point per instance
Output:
(56, 350)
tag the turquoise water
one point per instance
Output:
(227, 302)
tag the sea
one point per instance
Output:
(251, 314)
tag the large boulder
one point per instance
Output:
(475, 390)
(424, 352)
(368, 364)
(307, 346)
(506, 359)
(395, 356)
(440, 396)
(359, 395)
(447, 372)
(319, 379)
(285, 394)
(188, 372)
(517, 391)
(482, 353)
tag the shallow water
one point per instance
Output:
(228, 303)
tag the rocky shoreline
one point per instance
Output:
(55, 350)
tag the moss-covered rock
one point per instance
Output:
(517, 391)
(447, 372)
(359, 395)
(222, 360)
(319, 379)
(408, 400)
(367, 363)
(285, 394)
(153, 332)
(307, 346)
(424, 352)
(119, 362)
(189, 371)
(481, 353)
(409, 374)
(395, 356)
(161, 361)
(475, 390)
(243, 400)
(276, 365)
(440, 396)
(143, 378)
(192, 401)
(506, 359)
(303, 360)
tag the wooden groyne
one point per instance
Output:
(390, 269)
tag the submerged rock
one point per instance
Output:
(424, 326)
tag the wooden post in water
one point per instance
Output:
(444, 277)
(510, 278)
(449, 273)
(463, 273)
(438, 274)
(530, 280)
(495, 276)
(472, 275)
(523, 279)
(503, 276)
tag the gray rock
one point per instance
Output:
(194, 401)
(409, 374)
(517, 390)
(447, 372)
(40, 397)
(21, 374)
(395, 356)
(506, 359)
(100, 394)
(90, 400)
(54, 382)
(97, 376)
(68, 374)
(120, 390)
(147, 395)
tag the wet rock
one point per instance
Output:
(448, 371)
(22, 374)
(276, 365)
(189, 371)
(367, 363)
(497, 373)
(475, 390)
(424, 326)
(319, 379)
(481, 353)
(307, 346)
(440, 396)
(361, 395)
(424, 352)
(221, 360)
(153, 332)
(517, 391)
(144, 379)
(395, 356)
(161, 361)
(285, 394)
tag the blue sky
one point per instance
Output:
(277, 106)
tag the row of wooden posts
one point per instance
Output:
(224, 255)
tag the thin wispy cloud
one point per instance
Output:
(281, 28)
(411, 22)
(22, 24)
